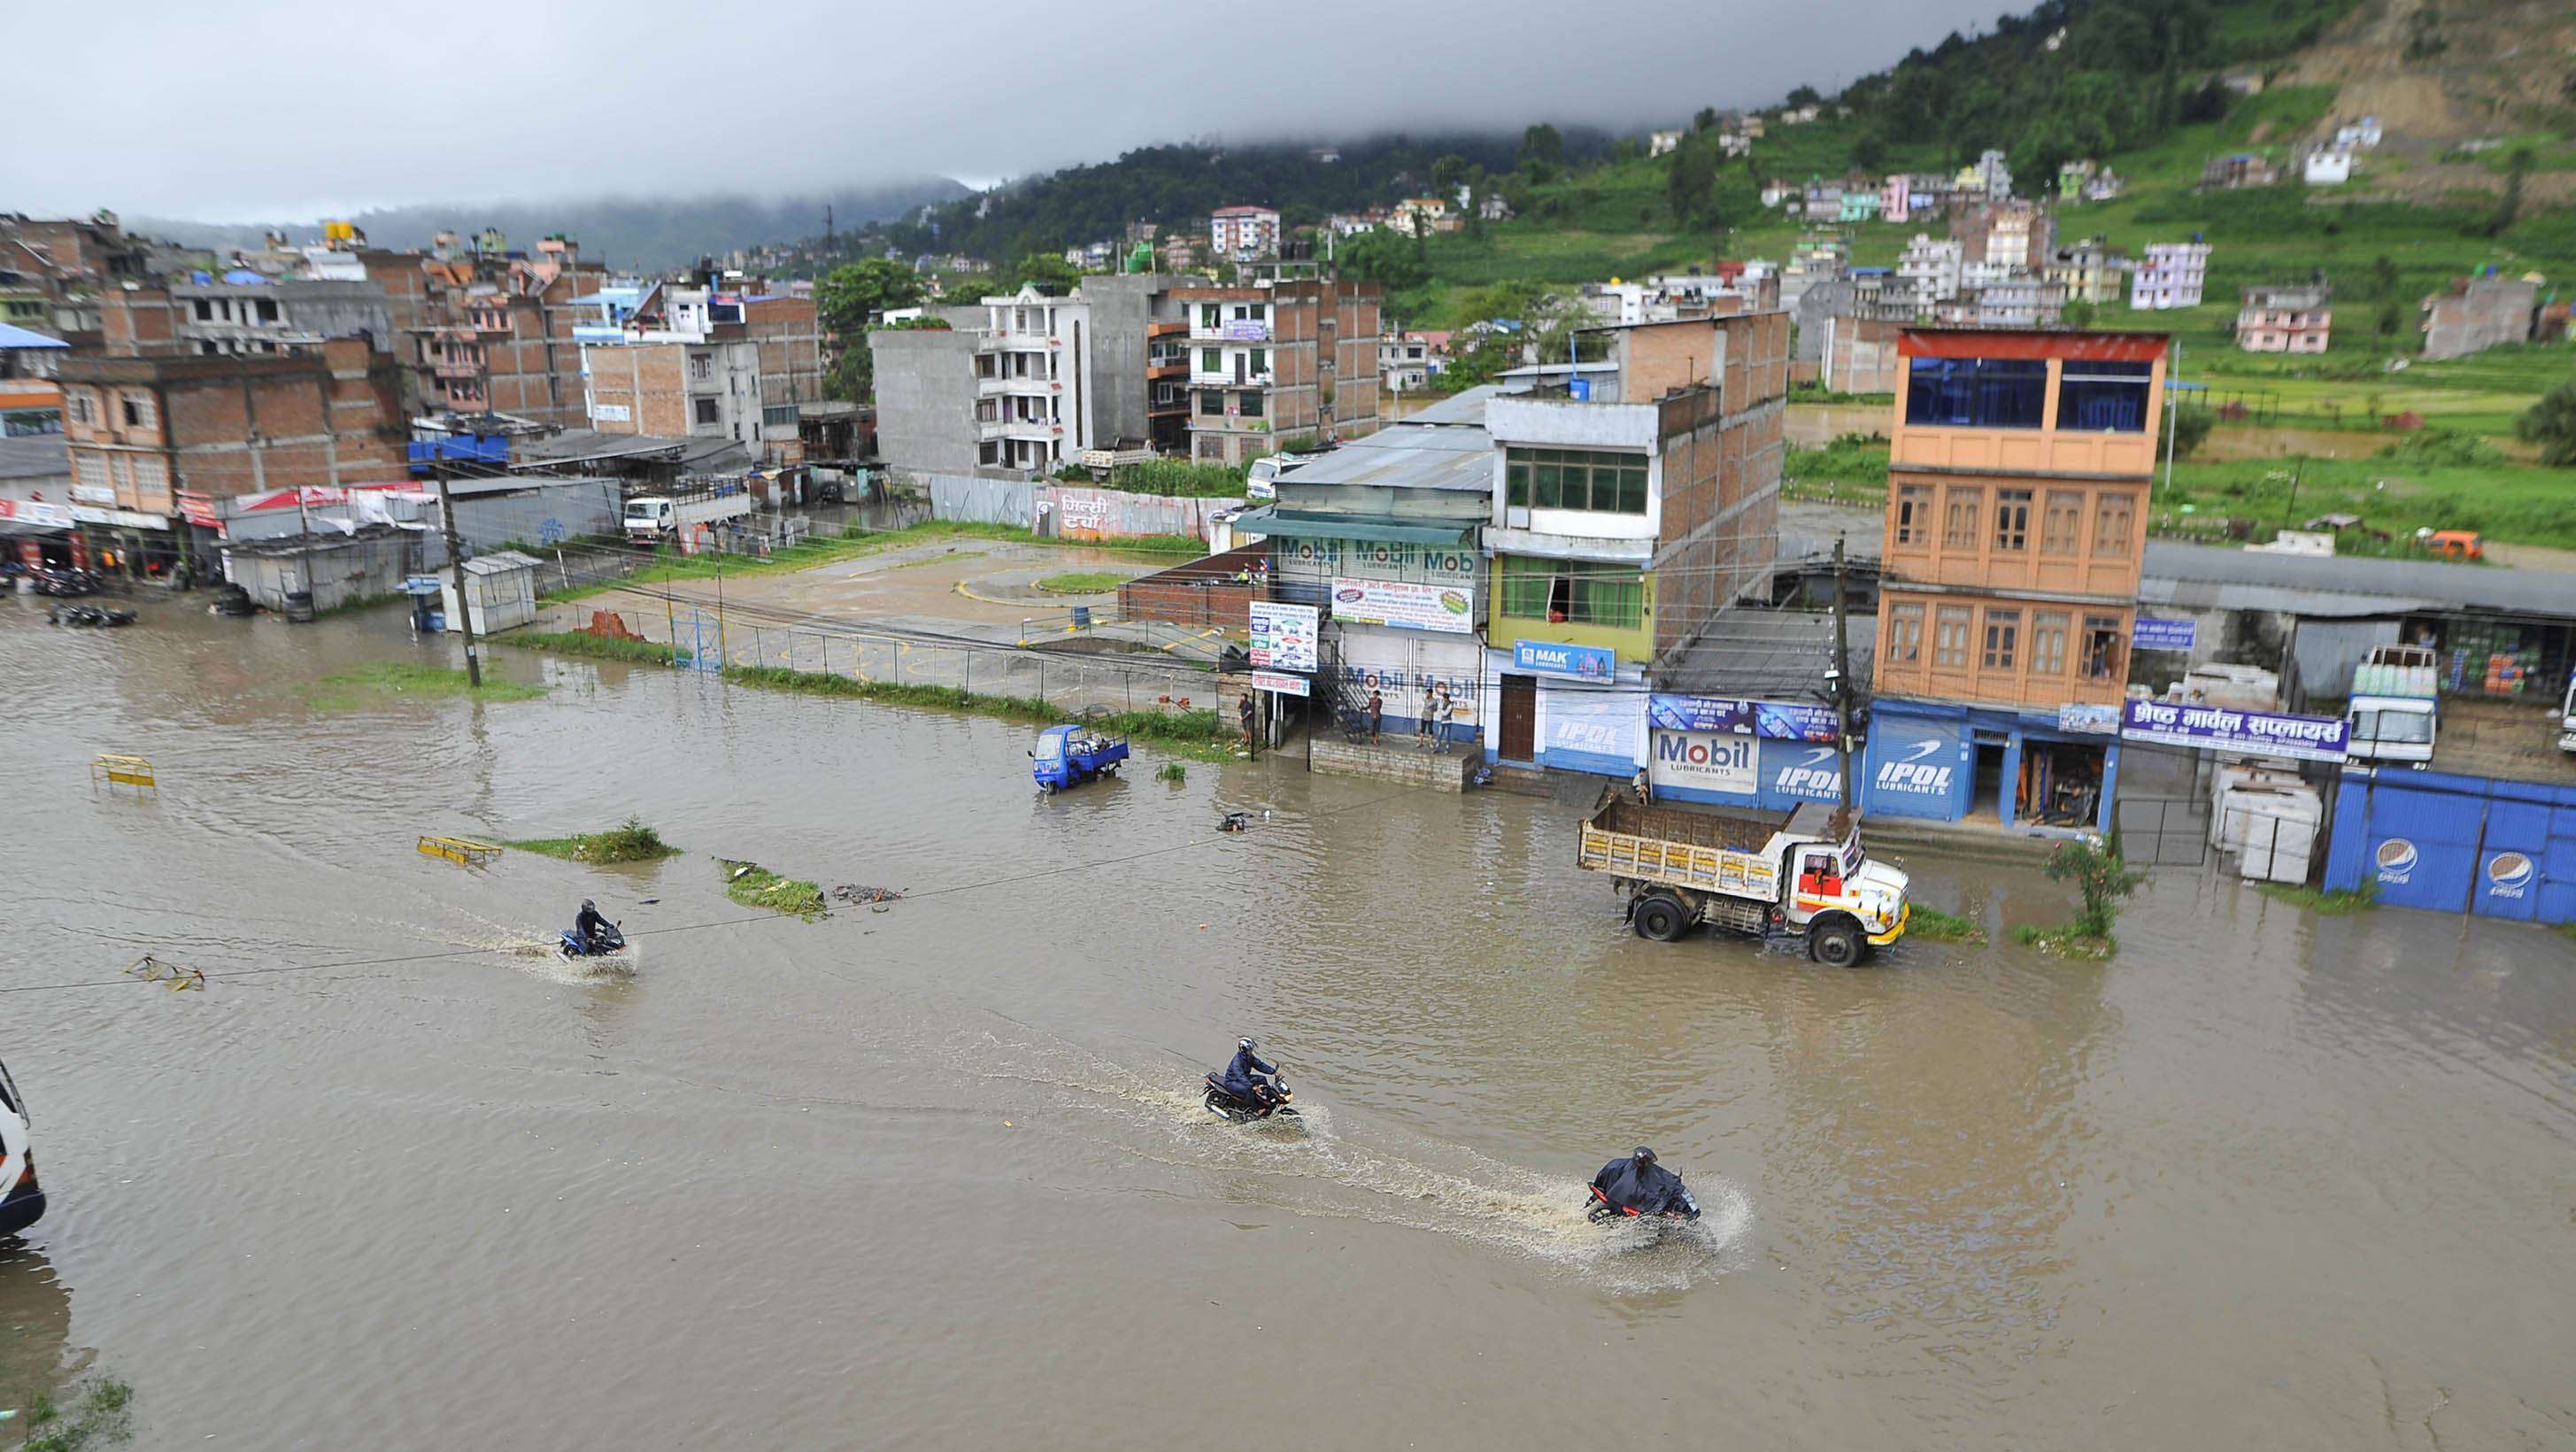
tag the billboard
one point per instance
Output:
(2215, 728)
(2153, 634)
(1585, 662)
(1448, 608)
(1704, 761)
(1283, 636)
(1598, 731)
(1699, 713)
(1787, 722)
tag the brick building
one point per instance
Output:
(2015, 528)
(488, 330)
(153, 440)
(2285, 319)
(2479, 313)
(1281, 363)
(696, 361)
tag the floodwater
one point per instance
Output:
(935, 1175)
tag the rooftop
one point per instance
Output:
(1411, 455)
(13, 337)
(1778, 655)
(2235, 579)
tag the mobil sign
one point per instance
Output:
(1917, 767)
(1798, 771)
(1693, 764)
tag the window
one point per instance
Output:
(1904, 634)
(2012, 520)
(1994, 393)
(205, 310)
(1210, 316)
(988, 453)
(138, 410)
(2102, 659)
(1260, 361)
(707, 410)
(1248, 404)
(1566, 593)
(1959, 526)
(1211, 360)
(1211, 404)
(2103, 397)
(89, 471)
(2407, 727)
(702, 367)
(1604, 482)
(2062, 526)
(267, 310)
(2111, 524)
(77, 406)
(2003, 637)
(2048, 643)
(1950, 637)
(1914, 514)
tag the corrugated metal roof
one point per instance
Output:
(1467, 407)
(1407, 456)
(1778, 655)
(15, 337)
(2238, 579)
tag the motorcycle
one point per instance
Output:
(1233, 1108)
(1605, 1211)
(610, 940)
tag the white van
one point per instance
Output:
(21, 1203)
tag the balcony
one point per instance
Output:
(1231, 330)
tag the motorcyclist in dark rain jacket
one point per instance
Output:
(1638, 1183)
(1247, 1077)
(590, 927)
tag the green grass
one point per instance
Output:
(753, 885)
(2333, 903)
(103, 1415)
(380, 682)
(1198, 734)
(629, 841)
(598, 647)
(1934, 925)
(362, 602)
(1850, 470)
(1172, 771)
(2065, 942)
(1082, 582)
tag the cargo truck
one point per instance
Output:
(1746, 871)
(2395, 701)
(652, 519)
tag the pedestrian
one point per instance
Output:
(1244, 711)
(1377, 714)
(1448, 715)
(1422, 724)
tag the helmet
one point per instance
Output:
(1644, 1155)
(1247, 1044)
(586, 906)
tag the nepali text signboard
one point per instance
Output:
(1285, 685)
(1583, 662)
(2153, 634)
(1283, 637)
(2215, 728)
(1404, 603)
(1786, 722)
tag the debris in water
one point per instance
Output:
(852, 892)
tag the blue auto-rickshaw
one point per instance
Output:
(1071, 755)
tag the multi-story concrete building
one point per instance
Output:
(243, 313)
(1280, 363)
(485, 330)
(2285, 319)
(2009, 234)
(1244, 234)
(2090, 271)
(2237, 171)
(2326, 166)
(1994, 176)
(2170, 275)
(698, 361)
(1033, 382)
(1624, 521)
(1931, 268)
(1896, 198)
(2479, 313)
(2019, 469)
(1860, 355)
(154, 440)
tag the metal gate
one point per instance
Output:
(2163, 831)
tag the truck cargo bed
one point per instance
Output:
(1741, 828)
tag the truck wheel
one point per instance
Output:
(1836, 944)
(1660, 919)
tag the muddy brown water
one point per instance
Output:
(936, 1173)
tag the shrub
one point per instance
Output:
(2098, 873)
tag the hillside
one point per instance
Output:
(650, 233)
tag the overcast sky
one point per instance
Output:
(291, 109)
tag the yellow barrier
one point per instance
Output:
(463, 851)
(118, 771)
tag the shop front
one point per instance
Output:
(1951, 762)
(131, 543)
(1565, 708)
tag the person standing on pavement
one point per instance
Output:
(1376, 713)
(1244, 710)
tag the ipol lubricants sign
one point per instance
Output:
(1919, 768)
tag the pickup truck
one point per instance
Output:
(2395, 705)
(1748, 871)
(676, 518)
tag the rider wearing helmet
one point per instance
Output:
(1247, 1077)
(589, 927)
(1638, 1183)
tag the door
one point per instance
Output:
(1520, 718)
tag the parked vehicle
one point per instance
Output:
(2452, 544)
(2396, 700)
(1746, 871)
(668, 518)
(1067, 756)
(1261, 481)
(22, 1202)
(1103, 462)
(2567, 718)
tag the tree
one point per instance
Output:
(1383, 258)
(2098, 874)
(2190, 428)
(2080, 313)
(2551, 423)
(848, 301)
(1542, 152)
(1690, 181)
(2509, 207)
(2390, 319)
(2383, 277)
(1869, 153)
(1447, 175)
(1047, 270)
(1804, 96)
(1705, 121)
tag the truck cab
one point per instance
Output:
(22, 1203)
(2395, 706)
(647, 518)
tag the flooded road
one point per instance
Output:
(936, 1174)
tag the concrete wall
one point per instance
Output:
(2490, 311)
(926, 399)
(341, 571)
(1859, 356)
(1115, 353)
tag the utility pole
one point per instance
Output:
(456, 568)
(1841, 679)
(2173, 411)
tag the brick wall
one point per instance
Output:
(1201, 593)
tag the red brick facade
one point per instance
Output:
(147, 428)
